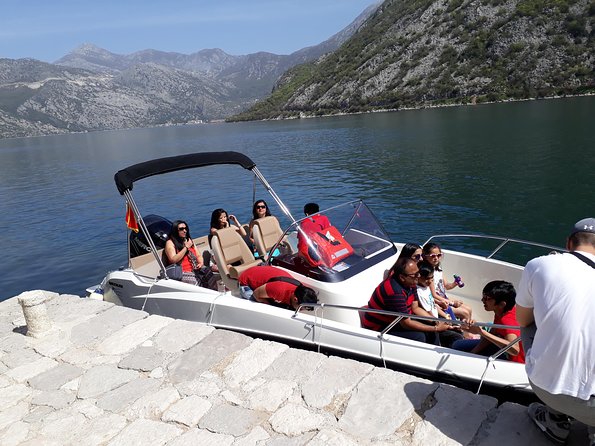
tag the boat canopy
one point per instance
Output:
(125, 178)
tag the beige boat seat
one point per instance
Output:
(228, 248)
(266, 232)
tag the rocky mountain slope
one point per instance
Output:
(414, 53)
(93, 89)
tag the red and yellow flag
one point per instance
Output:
(130, 219)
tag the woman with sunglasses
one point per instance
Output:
(411, 251)
(260, 209)
(432, 253)
(180, 249)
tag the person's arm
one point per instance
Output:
(236, 223)
(260, 295)
(410, 324)
(440, 301)
(197, 254)
(490, 338)
(170, 252)
(524, 316)
(449, 285)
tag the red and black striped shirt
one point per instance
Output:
(390, 296)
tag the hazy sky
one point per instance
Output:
(49, 29)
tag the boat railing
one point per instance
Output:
(318, 309)
(503, 242)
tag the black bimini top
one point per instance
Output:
(125, 178)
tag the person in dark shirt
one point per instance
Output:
(397, 293)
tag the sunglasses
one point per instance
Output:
(414, 275)
(434, 256)
(183, 229)
(261, 206)
(486, 297)
(416, 257)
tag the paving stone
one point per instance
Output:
(104, 324)
(25, 372)
(9, 396)
(207, 384)
(87, 408)
(4, 381)
(62, 426)
(117, 399)
(328, 437)
(271, 395)
(19, 357)
(103, 378)
(66, 309)
(256, 436)
(232, 420)
(133, 335)
(295, 420)
(12, 341)
(53, 344)
(87, 358)
(153, 404)
(12, 414)
(146, 433)
(382, 401)
(511, 426)
(56, 377)
(282, 440)
(187, 411)
(143, 359)
(14, 434)
(213, 349)
(37, 414)
(202, 437)
(295, 365)
(232, 398)
(335, 376)
(181, 335)
(157, 373)
(252, 360)
(100, 430)
(56, 399)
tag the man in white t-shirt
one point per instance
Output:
(556, 304)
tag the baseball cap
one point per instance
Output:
(584, 225)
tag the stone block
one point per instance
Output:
(12, 395)
(282, 440)
(207, 384)
(455, 418)
(55, 377)
(66, 309)
(256, 436)
(295, 420)
(146, 433)
(382, 401)
(13, 414)
(252, 360)
(100, 430)
(231, 420)
(15, 434)
(133, 335)
(19, 357)
(218, 346)
(334, 377)
(12, 341)
(202, 437)
(117, 399)
(181, 335)
(143, 359)
(328, 437)
(102, 379)
(295, 365)
(53, 344)
(56, 399)
(270, 395)
(153, 404)
(187, 411)
(25, 372)
(104, 324)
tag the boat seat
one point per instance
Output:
(232, 255)
(266, 233)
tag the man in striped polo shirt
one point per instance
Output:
(397, 293)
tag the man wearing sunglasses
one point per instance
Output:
(555, 304)
(397, 294)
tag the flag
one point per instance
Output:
(130, 219)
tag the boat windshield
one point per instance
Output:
(334, 244)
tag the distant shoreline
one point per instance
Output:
(305, 116)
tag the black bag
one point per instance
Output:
(174, 271)
(206, 278)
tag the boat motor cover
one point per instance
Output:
(125, 178)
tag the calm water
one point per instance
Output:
(525, 170)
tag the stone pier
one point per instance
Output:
(108, 375)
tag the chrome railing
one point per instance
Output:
(319, 308)
(503, 242)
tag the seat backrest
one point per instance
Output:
(266, 232)
(230, 248)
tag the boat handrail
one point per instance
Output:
(504, 241)
(400, 315)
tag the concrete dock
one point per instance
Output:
(108, 375)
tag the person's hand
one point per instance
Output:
(442, 326)
(456, 303)
(442, 304)
(235, 220)
(188, 243)
(474, 329)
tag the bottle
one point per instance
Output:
(459, 281)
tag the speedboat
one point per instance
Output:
(343, 277)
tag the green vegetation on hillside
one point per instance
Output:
(414, 53)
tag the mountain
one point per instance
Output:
(94, 89)
(413, 53)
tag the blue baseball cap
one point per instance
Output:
(584, 225)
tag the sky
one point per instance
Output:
(49, 29)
